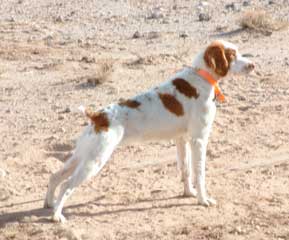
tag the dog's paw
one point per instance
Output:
(207, 201)
(58, 217)
(190, 192)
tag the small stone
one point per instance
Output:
(58, 19)
(246, 3)
(279, 108)
(239, 229)
(136, 35)
(67, 110)
(185, 231)
(165, 21)
(244, 108)
(270, 2)
(233, 7)
(10, 19)
(183, 35)
(204, 17)
(87, 59)
(60, 117)
(48, 40)
(152, 35)
(241, 98)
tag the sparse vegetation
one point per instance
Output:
(102, 74)
(262, 21)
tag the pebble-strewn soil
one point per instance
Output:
(51, 51)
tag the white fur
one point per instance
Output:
(150, 121)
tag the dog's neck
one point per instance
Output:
(199, 63)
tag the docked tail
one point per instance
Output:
(99, 119)
(86, 111)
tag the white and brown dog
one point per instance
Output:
(182, 108)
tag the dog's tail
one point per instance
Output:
(86, 111)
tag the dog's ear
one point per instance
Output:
(215, 58)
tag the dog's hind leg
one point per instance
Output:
(57, 178)
(185, 165)
(94, 154)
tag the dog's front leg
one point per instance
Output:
(198, 147)
(185, 165)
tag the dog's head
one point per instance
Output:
(221, 58)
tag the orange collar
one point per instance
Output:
(209, 78)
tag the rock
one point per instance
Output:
(246, 3)
(241, 98)
(270, 2)
(10, 19)
(136, 35)
(48, 40)
(67, 110)
(152, 35)
(238, 230)
(204, 17)
(165, 21)
(58, 19)
(233, 7)
(87, 59)
(183, 35)
(244, 108)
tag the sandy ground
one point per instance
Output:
(49, 50)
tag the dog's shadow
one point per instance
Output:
(41, 215)
(131, 207)
(60, 151)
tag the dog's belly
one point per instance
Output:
(154, 134)
(154, 128)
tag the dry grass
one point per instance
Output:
(102, 74)
(262, 21)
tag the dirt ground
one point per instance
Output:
(51, 51)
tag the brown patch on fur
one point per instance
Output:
(99, 119)
(185, 88)
(130, 103)
(215, 58)
(230, 55)
(172, 104)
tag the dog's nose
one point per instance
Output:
(251, 66)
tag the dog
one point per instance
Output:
(182, 108)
